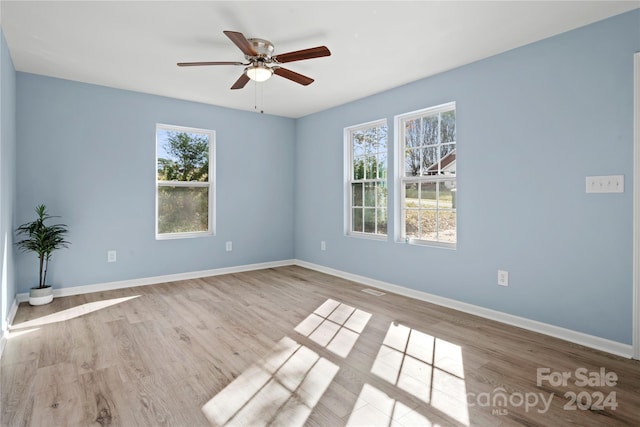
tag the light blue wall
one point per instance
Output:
(7, 177)
(88, 153)
(532, 123)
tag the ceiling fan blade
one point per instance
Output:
(293, 76)
(241, 82)
(197, 64)
(241, 41)
(299, 55)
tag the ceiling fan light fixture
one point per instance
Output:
(259, 72)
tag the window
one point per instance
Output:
(184, 182)
(366, 171)
(427, 175)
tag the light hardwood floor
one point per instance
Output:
(290, 346)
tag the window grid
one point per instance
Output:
(367, 174)
(427, 171)
(185, 183)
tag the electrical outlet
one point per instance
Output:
(323, 245)
(111, 256)
(503, 278)
(229, 246)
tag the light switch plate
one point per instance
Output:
(605, 184)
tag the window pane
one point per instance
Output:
(382, 165)
(448, 162)
(448, 126)
(454, 196)
(412, 162)
(382, 221)
(447, 226)
(382, 139)
(428, 198)
(430, 130)
(358, 168)
(412, 133)
(183, 209)
(430, 165)
(356, 191)
(382, 195)
(356, 219)
(411, 223)
(411, 195)
(371, 145)
(370, 194)
(369, 220)
(182, 156)
(358, 143)
(428, 224)
(447, 195)
(371, 166)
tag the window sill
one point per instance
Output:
(379, 237)
(429, 243)
(173, 236)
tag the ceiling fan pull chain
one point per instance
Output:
(255, 97)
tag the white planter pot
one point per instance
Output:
(40, 296)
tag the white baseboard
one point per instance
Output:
(101, 287)
(614, 347)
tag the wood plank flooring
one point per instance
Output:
(291, 346)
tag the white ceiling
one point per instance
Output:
(375, 45)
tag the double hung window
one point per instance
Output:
(184, 182)
(366, 192)
(427, 175)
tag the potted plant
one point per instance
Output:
(43, 240)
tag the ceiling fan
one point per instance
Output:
(262, 63)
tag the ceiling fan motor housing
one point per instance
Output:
(264, 48)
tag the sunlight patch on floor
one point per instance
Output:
(375, 408)
(72, 313)
(335, 326)
(429, 368)
(282, 388)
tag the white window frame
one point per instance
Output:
(401, 179)
(348, 180)
(210, 184)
